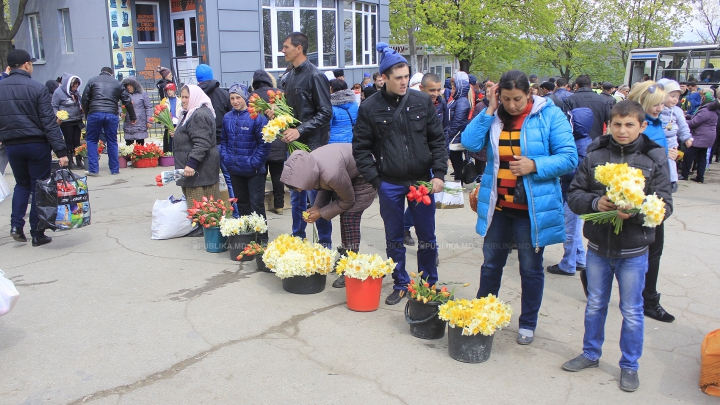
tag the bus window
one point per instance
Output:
(672, 66)
(704, 67)
(639, 69)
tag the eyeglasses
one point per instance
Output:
(654, 87)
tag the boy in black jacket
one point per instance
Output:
(624, 255)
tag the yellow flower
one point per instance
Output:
(62, 115)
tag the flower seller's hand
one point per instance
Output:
(313, 214)
(290, 135)
(604, 204)
(437, 185)
(189, 171)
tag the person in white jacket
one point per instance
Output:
(675, 126)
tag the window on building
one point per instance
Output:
(147, 15)
(315, 18)
(36, 44)
(360, 33)
(66, 30)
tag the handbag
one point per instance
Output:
(519, 196)
(456, 147)
(469, 171)
(63, 201)
(8, 294)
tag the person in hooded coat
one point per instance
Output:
(167, 78)
(459, 110)
(345, 111)
(331, 170)
(262, 82)
(67, 98)
(138, 131)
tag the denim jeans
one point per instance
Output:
(496, 247)
(630, 274)
(30, 162)
(392, 210)
(97, 123)
(299, 202)
(574, 255)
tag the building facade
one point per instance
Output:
(235, 37)
(430, 60)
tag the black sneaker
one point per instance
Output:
(408, 240)
(395, 297)
(40, 240)
(340, 282)
(654, 310)
(555, 269)
(579, 363)
(629, 380)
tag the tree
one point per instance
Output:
(645, 23)
(482, 35)
(708, 17)
(7, 31)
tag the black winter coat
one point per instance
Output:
(585, 97)
(194, 145)
(585, 191)
(262, 83)
(26, 115)
(399, 152)
(220, 99)
(307, 91)
(102, 94)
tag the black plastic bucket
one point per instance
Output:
(423, 319)
(305, 285)
(261, 264)
(469, 349)
(237, 243)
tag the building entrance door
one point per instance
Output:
(185, 46)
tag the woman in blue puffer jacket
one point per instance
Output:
(459, 114)
(244, 152)
(530, 145)
(345, 112)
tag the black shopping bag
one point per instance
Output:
(63, 201)
(469, 173)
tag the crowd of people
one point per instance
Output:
(536, 146)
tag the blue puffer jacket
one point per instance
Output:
(242, 149)
(459, 111)
(655, 131)
(547, 139)
(581, 120)
(345, 111)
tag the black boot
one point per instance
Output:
(340, 281)
(79, 163)
(654, 310)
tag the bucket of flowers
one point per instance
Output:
(240, 232)
(207, 213)
(83, 151)
(145, 155)
(626, 189)
(472, 325)
(167, 160)
(254, 250)
(124, 153)
(422, 308)
(363, 279)
(301, 265)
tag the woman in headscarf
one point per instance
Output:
(67, 98)
(195, 146)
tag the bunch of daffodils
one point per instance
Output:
(245, 224)
(625, 187)
(62, 115)
(290, 256)
(484, 315)
(361, 266)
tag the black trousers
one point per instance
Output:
(693, 154)
(71, 132)
(129, 142)
(275, 169)
(167, 141)
(457, 158)
(654, 254)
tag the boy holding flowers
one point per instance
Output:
(622, 254)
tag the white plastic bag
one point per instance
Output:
(222, 184)
(169, 220)
(8, 294)
(4, 188)
(447, 200)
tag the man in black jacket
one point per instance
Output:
(308, 93)
(584, 96)
(398, 139)
(100, 105)
(29, 132)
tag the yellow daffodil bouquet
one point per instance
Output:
(244, 224)
(62, 115)
(625, 187)
(485, 315)
(289, 256)
(361, 266)
(282, 120)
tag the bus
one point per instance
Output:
(699, 63)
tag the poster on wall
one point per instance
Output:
(122, 44)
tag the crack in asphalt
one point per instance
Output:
(221, 279)
(31, 284)
(180, 366)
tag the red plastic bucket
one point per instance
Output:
(363, 296)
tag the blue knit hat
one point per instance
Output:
(239, 89)
(472, 80)
(203, 72)
(388, 56)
